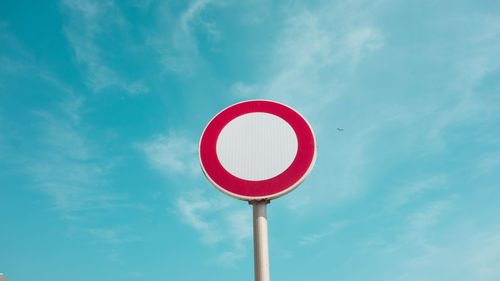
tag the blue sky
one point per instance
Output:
(102, 104)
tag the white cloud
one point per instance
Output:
(192, 214)
(60, 159)
(193, 10)
(242, 90)
(15, 59)
(229, 258)
(427, 217)
(361, 41)
(316, 237)
(314, 55)
(471, 67)
(415, 190)
(467, 110)
(11, 66)
(488, 163)
(113, 236)
(346, 170)
(218, 222)
(239, 231)
(414, 236)
(173, 40)
(87, 20)
(466, 254)
(67, 166)
(240, 226)
(483, 257)
(475, 57)
(313, 67)
(173, 154)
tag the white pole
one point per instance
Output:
(260, 242)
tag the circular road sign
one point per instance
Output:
(257, 150)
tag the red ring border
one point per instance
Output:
(257, 190)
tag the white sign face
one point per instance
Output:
(257, 146)
(257, 150)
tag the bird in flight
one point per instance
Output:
(340, 129)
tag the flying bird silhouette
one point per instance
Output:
(340, 129)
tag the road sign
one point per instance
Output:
(257, 150)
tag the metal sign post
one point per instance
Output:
(260, 240)
(256, 151)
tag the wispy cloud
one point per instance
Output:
(218, 222)
(114, 236)
(172, 154)
(467, 110)
(466, 106)
(314, 52)
(242, 90)
(362, 41)
(11, 66)
(483, 256)
(412, 191)
(15, 59)
(316, 237)
(427, 217)
(87, 20)
(67, 166)
(488, 163)
(61, 161)
(239, 224)
(174, 41)
(195, 7)
(465, 252)
(314, 56)
(192, 214)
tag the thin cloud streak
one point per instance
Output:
(113, 236)
(218, 222)
(69, 168)
(412, 191)
(87, 20)
(192, 212)
(172, 154)
(176, 46)
(308, 56)
(316, 237)
(464, 254)
(193, 10)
